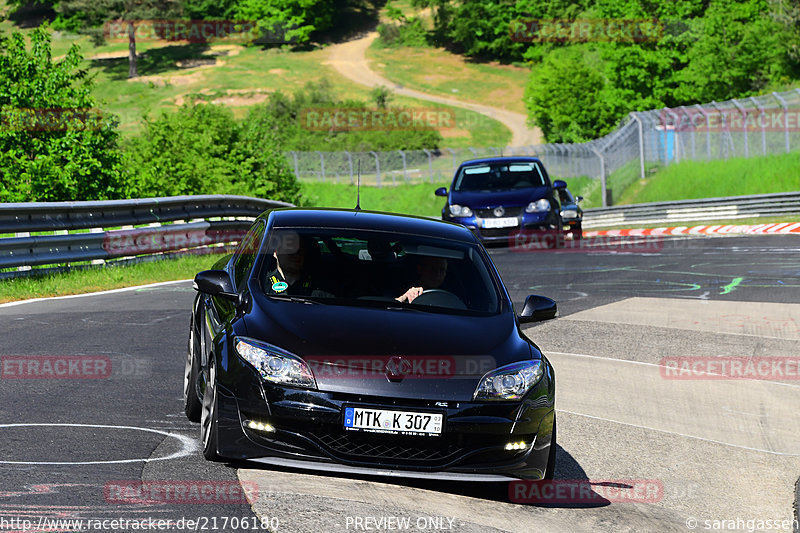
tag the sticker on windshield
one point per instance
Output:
(280, 286)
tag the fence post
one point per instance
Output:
(785, 118)
(641, 143)
(763, 129)
(664, 131)
(377, 169)
(727, 128)
(602, 175)
(454, 159)
(350, 161)
(708, 131)
(296, 166)
(430, 164)
(743, 111)
(405, 171)
(691, 129)
(321, 165)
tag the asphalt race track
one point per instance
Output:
(96, 431)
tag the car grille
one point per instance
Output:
(367, 448)
(489, 213)
(497, 232)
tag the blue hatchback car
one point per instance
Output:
(501, 196)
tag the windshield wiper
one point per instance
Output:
(295, 299)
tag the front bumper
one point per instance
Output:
(308, 432)
(526, 222)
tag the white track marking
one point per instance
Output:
(112, 291)
(188, 445)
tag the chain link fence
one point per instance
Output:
(749, 127)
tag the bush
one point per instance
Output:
(54, 144)
(201, 149)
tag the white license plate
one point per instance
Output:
(386, 421)
(503, 222)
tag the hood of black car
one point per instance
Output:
(487, 199)
(390, 352)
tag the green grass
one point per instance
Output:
(111, 276)
(413, 199)
(438, 72)
(689, 180)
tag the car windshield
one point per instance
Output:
(500, 176)
(369, 268)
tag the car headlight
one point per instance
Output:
(460, 211)
(510, 382)
(538, 206)
(569, 213)
(275, 365)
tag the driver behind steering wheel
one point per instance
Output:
(431, 272)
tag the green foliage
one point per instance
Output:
(381, 95)
(706, 50)
(407, 32)
(54, 144)
(570, 98)
(288, 120)
(297, 19)
(201, 149)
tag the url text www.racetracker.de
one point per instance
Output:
(195, 523)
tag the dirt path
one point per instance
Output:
(350, 60)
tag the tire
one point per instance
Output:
(577, 233)
(551, 457)
(208, 418)
(191, 401)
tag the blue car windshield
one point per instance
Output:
(368, 267)
(500, 177)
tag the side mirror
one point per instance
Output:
(579, 198)
(441, 191)
(559, 184)
(215, 283)
(538, 308)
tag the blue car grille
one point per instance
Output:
(489, 213)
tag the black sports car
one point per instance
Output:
(365, 342)
(571, 213)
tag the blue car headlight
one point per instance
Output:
(460, 211)
(510, 382)
(275, 365)
(538, 206)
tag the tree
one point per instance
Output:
(54, 144)
(88, 14)
(202, 149)
(295, 20)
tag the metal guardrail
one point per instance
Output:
(731, 207)
(97, 231)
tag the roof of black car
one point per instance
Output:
(374, 220)
(502, 159)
